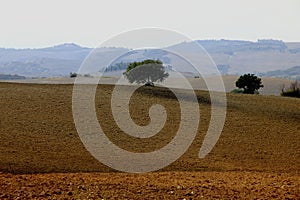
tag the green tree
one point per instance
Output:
(249, 83)
(146, 72)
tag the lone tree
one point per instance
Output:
(73, 74)
(146, 72)
(249, 83)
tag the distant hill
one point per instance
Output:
(54, 61)
(231, 57)
(232, 46)
(239, 57)
(11, 77)
(293, 72)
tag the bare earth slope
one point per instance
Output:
(258, 154)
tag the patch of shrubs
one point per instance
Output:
(241, 91)
(292, 91)
(237, 91)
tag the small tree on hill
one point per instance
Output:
(146, 72)
(73, 75)
(249, 83)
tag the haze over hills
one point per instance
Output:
(293, 72)
(230, 56)
(53, 61)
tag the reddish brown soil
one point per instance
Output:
(164, 185)
(257, 155)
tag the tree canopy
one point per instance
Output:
(146, 72)
(249, 83)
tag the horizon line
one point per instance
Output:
(90, 47)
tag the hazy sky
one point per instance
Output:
(40, 23)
